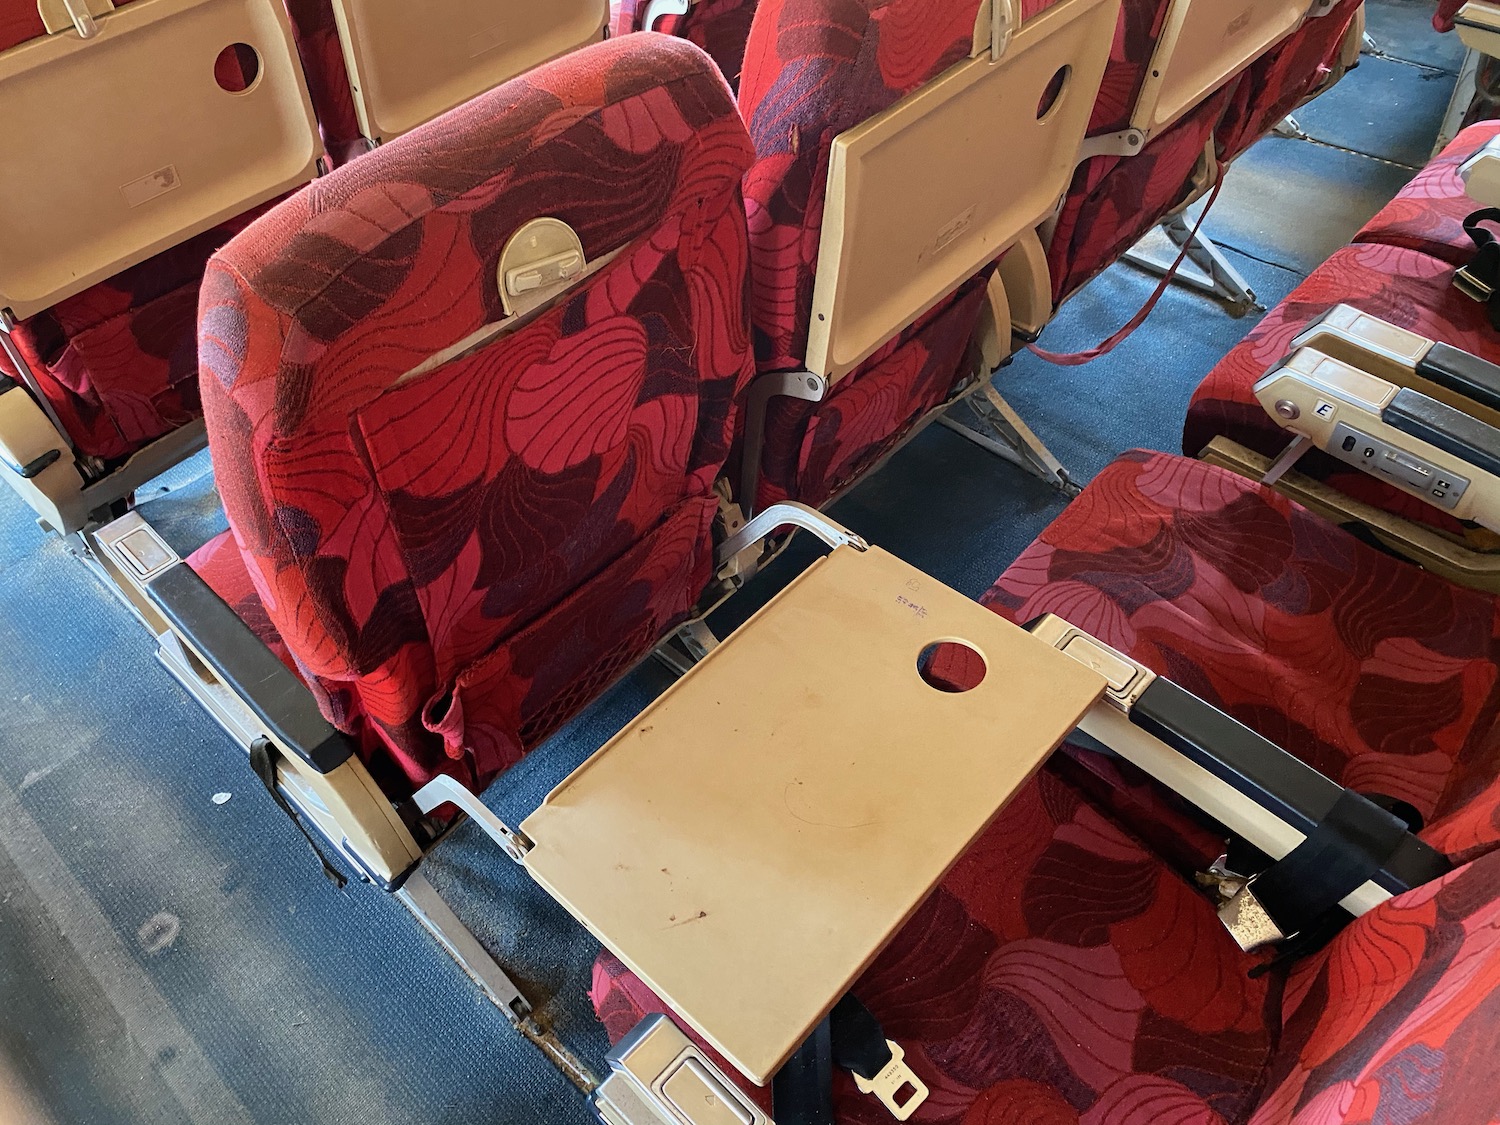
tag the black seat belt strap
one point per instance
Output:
(1296, 894)
(1480, 279)
(263, 758)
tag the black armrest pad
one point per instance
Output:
(1439, 425)
(1462, 373)
(248, 668)
(1286, 787)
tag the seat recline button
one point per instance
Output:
(702, 1099)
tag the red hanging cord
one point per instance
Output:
(1078, 359)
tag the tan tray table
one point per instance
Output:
(753, 840)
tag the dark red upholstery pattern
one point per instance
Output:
(814, 69)
(458, 561)
(322, 55)
(1377, 673)
(1402, 286)
(1428, 213)
(1114, 200)
(720, 27)
(117, 361)
(1064, 973)
(1442, 19)
(1136, 33)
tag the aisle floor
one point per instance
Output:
(172, 956)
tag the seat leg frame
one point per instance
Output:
(1205, 268)
(1005, 434)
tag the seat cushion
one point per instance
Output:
(1381, 675)
(1428, 213)
(220, 564)
(1060, 974)
(1402, 286)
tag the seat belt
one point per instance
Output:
(263, 759)
(851, 1038)
(1294, 902)
(1480, 279)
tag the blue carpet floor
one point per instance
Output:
(166, 958)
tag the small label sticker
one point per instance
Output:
(149, 187)
(951, 232)
(1325, 410)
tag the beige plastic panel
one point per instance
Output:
(1420, 544)
(409, 61)
(1325, 392)
(756, 836)
(1479, 27)
(123, 145)
(924, 195)
(57, 494)
(1385, 350)
(1203, 43)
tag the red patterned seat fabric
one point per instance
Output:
(1114, 200)
(1403, 286)
(1428, 213)
(458, 561)
(720, 27)
(117, 361)
(1065, 973)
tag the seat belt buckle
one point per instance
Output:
(892, 1081)
(1248, 922)
(1472, 286)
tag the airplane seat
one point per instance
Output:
(1180, 85)
(838, 207)
(1067, 971)
(1404, 287)
(1428, 214)
(116, 361)
(720, 27)
(99, 289)
(551, 277)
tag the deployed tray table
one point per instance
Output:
(754, 839)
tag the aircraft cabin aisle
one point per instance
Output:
(169, 951)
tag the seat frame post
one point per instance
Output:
(1206, 269)
(1007, 436)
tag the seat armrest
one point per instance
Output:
(1254, 788)
(239, 658)
(1478, 24)
(1432, 449)
(1284, 786)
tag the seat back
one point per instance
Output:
(1203, 43)
(929, 192)
(840, 97)
(720, 27)
(465, 518)
(175, 116)
(407, 63)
